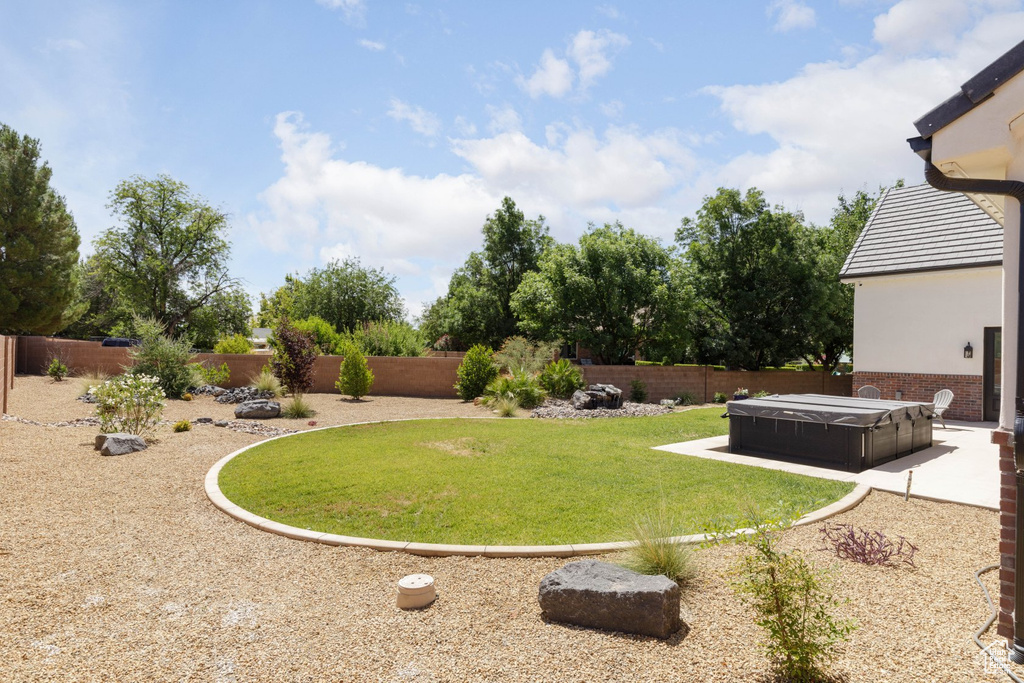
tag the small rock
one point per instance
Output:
(122, 444)
(667, 402)
(257, 410)
(204, 420)
(220, 423)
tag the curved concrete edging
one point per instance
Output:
(221, 501)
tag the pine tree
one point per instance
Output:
(38, 243)
(356, 378)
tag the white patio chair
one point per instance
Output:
(942, 400)
(868, 391)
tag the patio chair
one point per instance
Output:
(868, 391)
(942, 400)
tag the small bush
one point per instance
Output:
(561, 378)
(211, 374)
(520, 352)
(267, 381)
(323, 334)
(294, 355)
(355, 378)
(389, 338)
(187, 396)
(685, 398)
(129, 403)
(475, 372)
(57, 370)
(762, 394)
(298, 409)
(637, 391)
(653, 552)
(520, 386)
(237, 343)
(90, 379)
(183, 426)
(506, 406)
(867, 547)
(164, 358)
(720, 397)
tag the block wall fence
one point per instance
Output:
(968, 392)
(7, 351)
(435, 376)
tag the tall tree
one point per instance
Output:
(751, 270)
(168, 258)
(38, 243)
(616, 293)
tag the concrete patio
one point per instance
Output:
(962, 465)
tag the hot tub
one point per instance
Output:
(838, 432)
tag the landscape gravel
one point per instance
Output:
(560, 409)
(120, 569)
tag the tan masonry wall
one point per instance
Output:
(1007, 531)
(967, 390)
(7, 346)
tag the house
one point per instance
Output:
(927, 278)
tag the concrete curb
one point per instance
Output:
(221, 502)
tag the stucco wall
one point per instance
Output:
(920, 323)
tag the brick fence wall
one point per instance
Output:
(7, 346)
(1007, 531)
(968, 399)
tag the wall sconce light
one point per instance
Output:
(968, 351)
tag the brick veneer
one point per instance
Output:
(967, 390)
(1007, 531)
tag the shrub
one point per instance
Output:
(129, 403)
(475, 372)
(520, 386)
(57, 370)
(506, 407)
(355, 378)
(183, 426)
(794, 605)
(720, 397)
(561, 378)
(187, 396)
(298, 409)
(164, 358)
(867, 547)
(213, 375)
(267, 381)
(520, 352)
(637, 391)
(90, 379)
(294, 355)
(653, 552)
(236, 343)
(762, 394)
(323, 334)
(685, 398)
(388, 338)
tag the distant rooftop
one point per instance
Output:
(920, 228)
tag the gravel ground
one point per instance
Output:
(120, 569)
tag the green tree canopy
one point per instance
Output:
(38, 243)
(168, 257)
(616, 293)
(752, 273)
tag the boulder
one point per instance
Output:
(261, 409)
(119, 443)
(605, 596)
(597, 396)
(581, 400)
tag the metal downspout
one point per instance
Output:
(1015, 189)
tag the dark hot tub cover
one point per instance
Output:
(831, 410)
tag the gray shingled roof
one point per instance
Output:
(921, 228)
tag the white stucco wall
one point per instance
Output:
(921, 322)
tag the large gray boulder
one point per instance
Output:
(597, 396)
(601, 595)
(257, 410)
(119, 443)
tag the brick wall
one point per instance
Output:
(967, 390)
(1007, 531)
(7, 346)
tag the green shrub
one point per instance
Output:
(236, 343)
(211, 374)
(685, 398)
(506, 407)
(561, 378)
(129, 403)
(648, 362)
(653, 552)
(637, 391)
(521, 386)
(267, 381)
(720, 397)
(88, 380)
(57, 370)
(323, 334)
(183, 426)
(164, 358)
(794, 605)
(355, 378)
(475, 372)
(298, 409)
(520, 352)
(388, 338)
(294, 356)
(187, 396)
(762, 394)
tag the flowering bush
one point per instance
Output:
(129, 403)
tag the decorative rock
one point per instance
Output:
(581, 400)
(597, 396)
(601, 595)
(416, 591)
(220, 423)
(121, 444)
(257, 410)
(204, 420)
(666, 402)
(100, 440)
(241, 394)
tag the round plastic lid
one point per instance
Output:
(416, 581)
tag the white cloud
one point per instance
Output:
(609, 11)
(613, 109)
(421, 120)
(504, 119)
(372, 45)
(590, 50)
(354, 11)
(911, 26)
(464, 127)
(791, 14)
(552, 77)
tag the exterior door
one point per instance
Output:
(992, 379)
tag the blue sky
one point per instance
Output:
(389, 130)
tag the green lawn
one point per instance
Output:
(508, 482)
